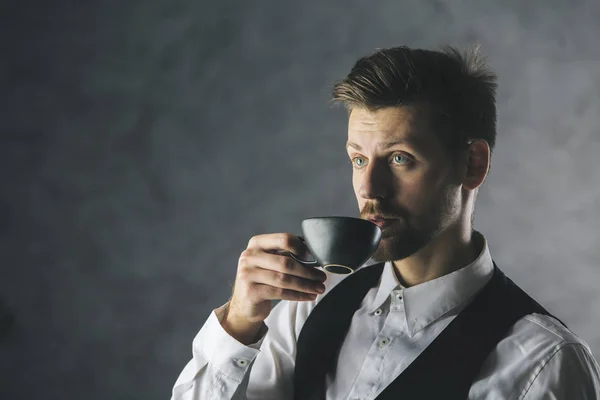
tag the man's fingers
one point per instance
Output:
(269, 292)
(283, 264)
(286, 281)
(279, 242)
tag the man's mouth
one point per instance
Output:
(381, 222)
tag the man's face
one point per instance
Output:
(404, 175)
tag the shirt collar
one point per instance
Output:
(428, 301)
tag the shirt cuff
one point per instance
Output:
(223, 352)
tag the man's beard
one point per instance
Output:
(401, 239)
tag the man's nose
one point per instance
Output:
(376, 181)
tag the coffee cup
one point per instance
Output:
(339, 244)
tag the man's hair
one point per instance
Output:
(458, 89)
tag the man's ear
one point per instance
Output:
(477, 164)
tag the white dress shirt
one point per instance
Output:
(538, 359)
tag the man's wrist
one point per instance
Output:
(240, 329)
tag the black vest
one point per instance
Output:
(444, 370)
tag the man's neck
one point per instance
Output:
(446, 253)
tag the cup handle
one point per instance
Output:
(305, 263)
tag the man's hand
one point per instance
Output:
(265, 274)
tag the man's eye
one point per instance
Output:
(401, 159)
(358, 161)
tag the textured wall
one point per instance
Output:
(144, 142)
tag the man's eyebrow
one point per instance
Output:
(350, 144)
(385, 145)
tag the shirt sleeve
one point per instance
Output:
(223, 368)
(570, 372)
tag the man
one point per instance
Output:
(434, 316)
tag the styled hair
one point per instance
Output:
(458, 89)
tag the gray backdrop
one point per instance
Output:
(144, 143)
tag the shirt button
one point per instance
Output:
(241, 362)
(378, 311)
(399, 296)
(383, 342)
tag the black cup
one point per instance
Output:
(339, 244)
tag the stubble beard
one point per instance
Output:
(400, 241)
(403, 238)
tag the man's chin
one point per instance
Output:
(395, 246)
(397, 234)
(389, 249)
